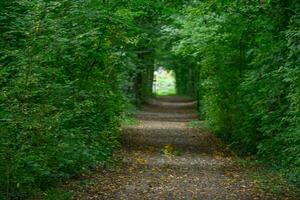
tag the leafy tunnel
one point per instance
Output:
(72, 71)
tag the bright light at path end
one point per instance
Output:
(164, 82)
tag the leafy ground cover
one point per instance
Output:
(164, 158)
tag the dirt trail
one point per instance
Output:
(165, 159)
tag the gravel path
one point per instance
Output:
(165, 159)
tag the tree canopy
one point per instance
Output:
(69, 69)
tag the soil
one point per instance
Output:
(163, 158)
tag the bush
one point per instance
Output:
(61, 92)
(244, 56)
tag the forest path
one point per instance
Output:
(163, 158)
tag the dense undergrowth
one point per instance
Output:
(244, 59)
(70, 68)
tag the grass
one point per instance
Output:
(274, 182)
(271, 180)
(57, 194)
(128, 121)
(203, 125)
(165, 82)
(166, 92)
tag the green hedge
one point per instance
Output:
(63, 72)
(245, 55)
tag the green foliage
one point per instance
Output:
(56, 194)
(164, 82)
(68, 68)
(244, 58)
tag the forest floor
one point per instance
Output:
(164, 158)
